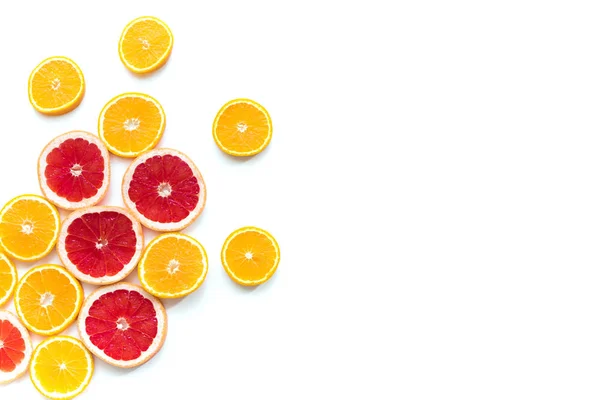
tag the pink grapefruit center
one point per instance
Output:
(12, 347)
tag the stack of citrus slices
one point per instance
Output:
(120, 323)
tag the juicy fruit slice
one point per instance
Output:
(29, 226)
(173, 265)
(250, 256)
(61, 367)
(145, 45)
(123, 325)
(131, 124)
(48, 299)
(56, 86)
(15, 347)
(8, 278)
(74, 170)
(164, 190)
(242, 127)
(100, 245)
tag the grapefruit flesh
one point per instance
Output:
(12, 348)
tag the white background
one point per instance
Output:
(433, 181)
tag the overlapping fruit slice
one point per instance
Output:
(145, 44)
(8, 278)
(164, 190)
(100, 245)
(123, 325)
(15, 347)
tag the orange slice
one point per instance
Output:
(250, 256)
(15, 347)
(131, 124)
(56, 86)
(29, 226)
(61, 368)
(242, 127)
(173, 265)
(48, 299)
(145, 45)
(8, 278)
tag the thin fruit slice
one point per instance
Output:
(56, 86)
(242, 127)
(61, 367)
(29, 226)
(164, 190)
(74, 170)
(123, 325)
(131, 124)
(48, 299)
(8, 278)
(173, 265)
(250, 256)
(15, 347)
(100, 245)
(145, 45)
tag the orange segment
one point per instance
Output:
(173, 265)
(131, 124)
(48, 299)
(8, 278)
(250, 256)
(145, 44)
(242, 127)
(29, 227)
(56, 86)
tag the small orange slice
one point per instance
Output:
(29, 226)
(8, 278)
(145, 45)
(250, 256)
(56, 86)
(242, 127)
(131, 124)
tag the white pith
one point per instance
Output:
(6, 377)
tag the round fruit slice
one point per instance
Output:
(242, 127)
(15, 347)
(56, 86)
(145, 45)
(131, 124)
(123, 325)
(29, 226)
(48, 299)
(164, 190)
(74, 170)
(250, 256)
(61, 367)
(8, 278)
(100, 245)
(173, 265)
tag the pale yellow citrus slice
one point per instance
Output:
(145, 44)
(8, 278)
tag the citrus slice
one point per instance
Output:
(15, 347)
(173, 265)
(164, 190)
(8, 278)
(145, 44)
(242, 127)
(131, 124)
(61, 368)
(29, 226)
(47, 299)
(56, 86)
(100, 245)
(250, 256)
(123, 325)
(74, 170)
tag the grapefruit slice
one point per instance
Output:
(164, 190)
(100, 245)
(15, 347)
(74, 170)
(123, 325)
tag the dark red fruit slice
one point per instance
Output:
(12, 346)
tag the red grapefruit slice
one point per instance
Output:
(74, 170)
(164, 190)
(15, 347)
(100, 245)
(123, 325)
